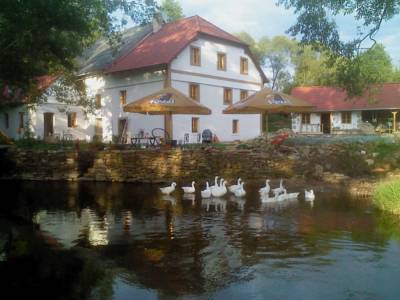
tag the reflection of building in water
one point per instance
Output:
(69, 228)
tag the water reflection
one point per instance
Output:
(185, 246)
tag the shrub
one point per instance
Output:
(387, 196)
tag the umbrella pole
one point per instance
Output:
(168, 125)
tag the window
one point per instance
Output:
(195, 56)
(98, 129)
(227, 96)
(305, 118)
(98, 101)
(244, 66)
(122, 97)
(346, 117)
(6, 121)
(21, 120)
(194, 91)
(243, 94)
(71, 119)
(195, 125)
(221, 63)
(235, 126)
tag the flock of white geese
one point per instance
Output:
(220, 188)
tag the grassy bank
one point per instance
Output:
(387, 196)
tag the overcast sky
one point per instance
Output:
(264, 18)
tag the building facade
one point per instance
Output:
(191, 55)
(335, 113)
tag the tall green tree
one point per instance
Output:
(40, 37)
(277, 56)
(316, 26)
(172, 10)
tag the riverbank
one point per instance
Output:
(329, 163)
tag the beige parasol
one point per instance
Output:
(167, 102)
(268, 101)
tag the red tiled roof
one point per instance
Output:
(164, 45)
(324, 98)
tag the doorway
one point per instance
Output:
(326, 123)
(48, 125)
(122, 130)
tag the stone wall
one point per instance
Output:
(146, 165)
(184, 165)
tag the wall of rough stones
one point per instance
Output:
(146, 165)
(177, 164)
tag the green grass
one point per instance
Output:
(387, 196)
(384, 150)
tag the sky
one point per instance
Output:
(264, 18)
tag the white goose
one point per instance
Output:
(280, 189)
(265, 190)
(219, 191)
(234, 187)
(189, 189)
(309, 195)
(215, 186)
(207, 192)
(168, 189)
(240, 192)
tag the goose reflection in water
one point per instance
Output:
(240, 202)
(219, 204)
(170, 199)
(191, 197)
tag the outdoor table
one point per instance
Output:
(137, 141)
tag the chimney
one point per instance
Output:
(157, 22)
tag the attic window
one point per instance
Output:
(195, 56)
(221, 63)
(244, 66)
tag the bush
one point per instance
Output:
(387, 196)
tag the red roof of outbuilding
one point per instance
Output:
(163, 46)
(324, 98)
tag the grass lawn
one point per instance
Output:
(387, 196)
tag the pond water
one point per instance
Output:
(126, 241)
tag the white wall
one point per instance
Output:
(212, 83)
(336, 118)
(209, 50)
(315, 119)
(137, 85)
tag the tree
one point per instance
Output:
(172, 10)
(311, 68)
(277, 54)
(253, 45)
(316, 26)
(44, 37)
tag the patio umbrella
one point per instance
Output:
(268, 101)
(167, 102)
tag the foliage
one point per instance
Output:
(317, 27)
(44, 37)
(387, 196)
(172, 10)
(253, 45)
(277, 54)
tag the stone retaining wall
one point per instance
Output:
(178, 165)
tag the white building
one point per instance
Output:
(335, 113)
(191, 55)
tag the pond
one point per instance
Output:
(126, 241)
